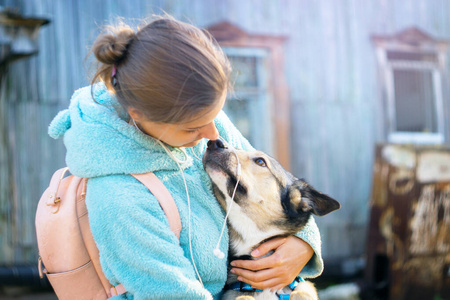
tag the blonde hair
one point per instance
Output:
(169, 70)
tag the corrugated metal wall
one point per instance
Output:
(330, 68)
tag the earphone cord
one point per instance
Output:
(177, 161)
(217, 251)
(231, 201)
(193, 152)
(189, 206)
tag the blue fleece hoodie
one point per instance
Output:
(137, 247)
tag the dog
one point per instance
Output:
(268, 202)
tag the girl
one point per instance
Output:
(154, 101)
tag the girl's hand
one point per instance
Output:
(277, 270)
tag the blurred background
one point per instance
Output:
(352, 95)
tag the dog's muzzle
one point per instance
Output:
(216, 153)
(216, 145)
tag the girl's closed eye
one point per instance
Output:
(192, 130)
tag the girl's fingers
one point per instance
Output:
(272, 261)
(278, 269)
(268, 246)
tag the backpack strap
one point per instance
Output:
(159, 190)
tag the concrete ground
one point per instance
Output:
(23, 293)
(40, 296)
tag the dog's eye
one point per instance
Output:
(260, 162)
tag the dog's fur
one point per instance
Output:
(269, 202)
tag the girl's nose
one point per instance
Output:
(210, 132)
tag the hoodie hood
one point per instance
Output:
(100, 141)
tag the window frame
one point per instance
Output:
(396, 136)
(229, 35)
(412, 42)
(262, 135)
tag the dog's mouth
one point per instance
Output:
(217, 163)
(217, 157)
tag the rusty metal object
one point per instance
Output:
(408, 247)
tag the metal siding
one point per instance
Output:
(330, 69)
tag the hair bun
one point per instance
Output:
(111, 46)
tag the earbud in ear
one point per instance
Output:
(219, 253)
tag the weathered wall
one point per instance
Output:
(330, 68)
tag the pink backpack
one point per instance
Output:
(66, 246)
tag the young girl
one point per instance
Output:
(159, 100)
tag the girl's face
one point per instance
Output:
(186, 134)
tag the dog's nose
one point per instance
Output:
(215, 144)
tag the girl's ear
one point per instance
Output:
(306, 198)
(136, 115)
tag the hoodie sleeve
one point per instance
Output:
(137, 247)
(310, 233)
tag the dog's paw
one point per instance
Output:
(246, 297)
(304, 291)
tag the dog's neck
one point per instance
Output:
(232, 278)
(245, 234)
(243, 242)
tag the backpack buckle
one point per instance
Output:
(55, 202)
(53, 199)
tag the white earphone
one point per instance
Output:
(217, 252)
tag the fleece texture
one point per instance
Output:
(137, 247)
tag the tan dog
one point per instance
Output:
(269, 202)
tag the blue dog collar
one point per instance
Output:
(245, 287)
(296, 281)
(292, 286)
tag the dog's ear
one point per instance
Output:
(305, 198)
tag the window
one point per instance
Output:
(411, 72)
(248, 107)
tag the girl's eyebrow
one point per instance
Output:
(195, 128)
